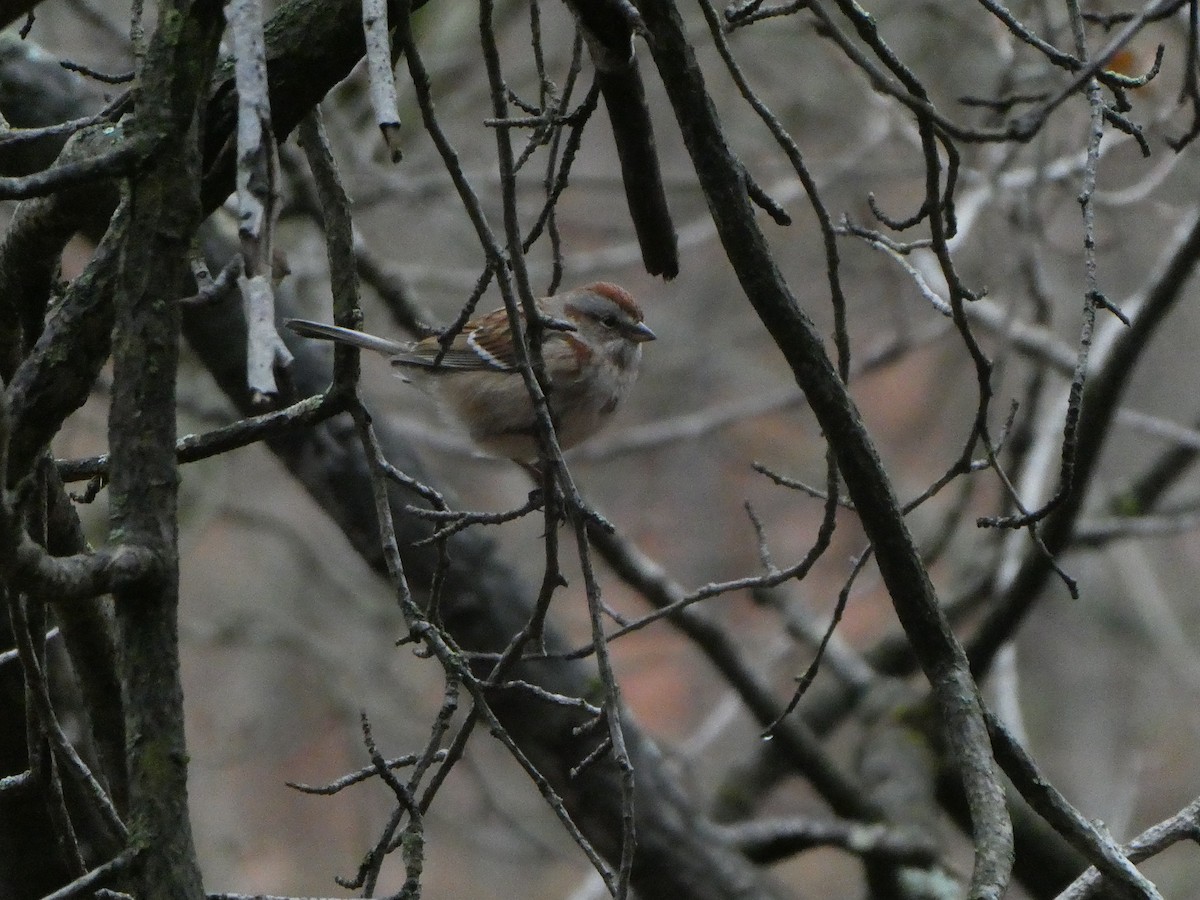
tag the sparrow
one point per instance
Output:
(591, 347)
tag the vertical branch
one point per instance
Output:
(258, 196)
(556, 106)
(339, 242)
(555, 468)
(612, 707)
(1093, 297)
(379, 72)
(1113, 368)
(163, 215)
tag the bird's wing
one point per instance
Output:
(482, 346)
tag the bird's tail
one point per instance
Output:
(359, 339)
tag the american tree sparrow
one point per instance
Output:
(591, 350)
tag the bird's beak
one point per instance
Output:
(641, 332)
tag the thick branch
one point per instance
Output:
(164, 212)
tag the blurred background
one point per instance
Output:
(287, 634)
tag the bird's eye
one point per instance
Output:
(609, 321)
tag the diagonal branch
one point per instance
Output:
(911, 591)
